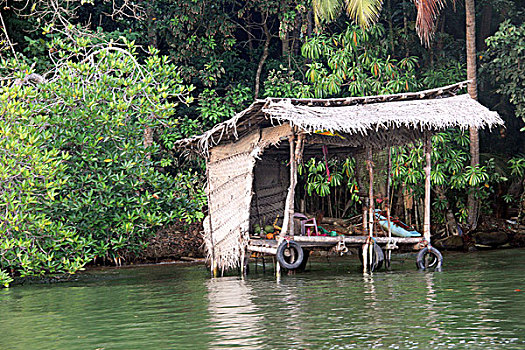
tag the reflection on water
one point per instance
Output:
(233, 315)
(472, 304)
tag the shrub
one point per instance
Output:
(80, 174)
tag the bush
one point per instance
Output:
(501, 64)
(5, 279)
(80, 175)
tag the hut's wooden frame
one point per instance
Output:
(365, 124)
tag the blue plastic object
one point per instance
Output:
(396, 230)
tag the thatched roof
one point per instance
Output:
(429, 110)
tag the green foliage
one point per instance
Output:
(447, 73)
(32, 174)
(342, 173)
(282, 83)
(5, 279)
(355, 63)
(451, 175)
(363, 12)
(80, 174)
(214, 108)
(517, 166)
(504, 63)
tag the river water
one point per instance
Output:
(477, 301)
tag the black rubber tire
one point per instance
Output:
(299, 255)
(434, 260)
(377, 259)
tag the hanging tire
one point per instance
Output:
(429, 258)
(378, 257)
(290, 255)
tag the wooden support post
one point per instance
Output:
(213, 266)
(361, 186)
(288, 227)
(366, 263)
(387, 199)
(365, 217)
(243, 262)
(214, 269)
(370, 167)
(426, 223)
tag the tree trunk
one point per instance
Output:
(263, 58)
(440, 43)
(485, 26)
(405, 28)
(151, 31)
(470, 11)
(390, 26)
(285, 41)
(152, 41)
(310, 25)
(451, 224)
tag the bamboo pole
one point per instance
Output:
(387, 199)
(213, 266)
(365, 216)
(426, 224)
(370, 167)
(243, 257)
(368, 246)
(388, 184)
(288, 227)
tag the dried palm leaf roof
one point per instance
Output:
(432, 110)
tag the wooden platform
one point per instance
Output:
(269, 246)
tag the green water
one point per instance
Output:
(473, 304)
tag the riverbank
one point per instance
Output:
(181, 244)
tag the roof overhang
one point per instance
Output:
(429, 110)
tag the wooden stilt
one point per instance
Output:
(243, 262)
(366, 263)
(288, 225)
(368, 246)
(214, 269)
(387, 205)
(213, 266)
(365, 217)
(426, 223)
(370, 166)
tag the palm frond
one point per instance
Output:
(364, 12)
(326, 10)
(427, 13)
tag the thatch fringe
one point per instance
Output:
(429, 110)
(458, 111)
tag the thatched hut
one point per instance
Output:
(252, 158)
